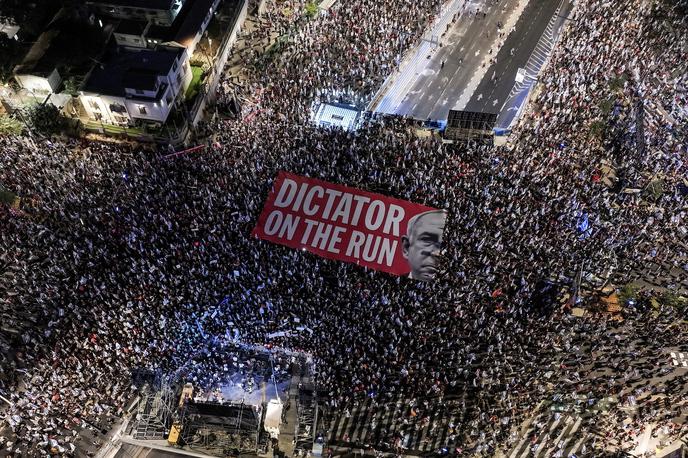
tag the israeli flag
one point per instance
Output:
(583, 226)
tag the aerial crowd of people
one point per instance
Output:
(119, 258)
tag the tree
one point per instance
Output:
(311, 9)
(597, 129)
(617, 83)
(606, 106)
(46, 119)
(31, 17)
(671, 299)
(72, 85)
(10, 126)
(14, 11)
(655, 189)
(8, 198)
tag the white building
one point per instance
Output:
(137, 85)
(187, 28)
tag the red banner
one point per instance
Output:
(351, 225)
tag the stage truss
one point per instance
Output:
(155, 413)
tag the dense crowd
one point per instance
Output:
(119, 259)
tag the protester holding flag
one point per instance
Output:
(118, 254)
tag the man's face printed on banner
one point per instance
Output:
(422, 243)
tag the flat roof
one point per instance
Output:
(188, 21)
(36, 61)
(130, 27)
(142, 79)
(68, 42)
(126, 68)
(145, 4)
(192, 21)
(185, 25)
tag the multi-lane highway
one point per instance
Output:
(475, 68)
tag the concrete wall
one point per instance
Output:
(184, 69)
(144, 93)
(188, 76)
(155, 111)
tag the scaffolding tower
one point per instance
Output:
(306, 413)
(155, 412)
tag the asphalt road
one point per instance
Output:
(491, 95)
(437, 89)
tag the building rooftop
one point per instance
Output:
(146, 4)
(69, 42)
(131, 69)
(138, 78)
(191, 22)
(130, 27)
(36, 62)
(186, 24)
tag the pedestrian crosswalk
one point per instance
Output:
(554, 435)
(394, 425)
(679, 359)
(401, 425)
